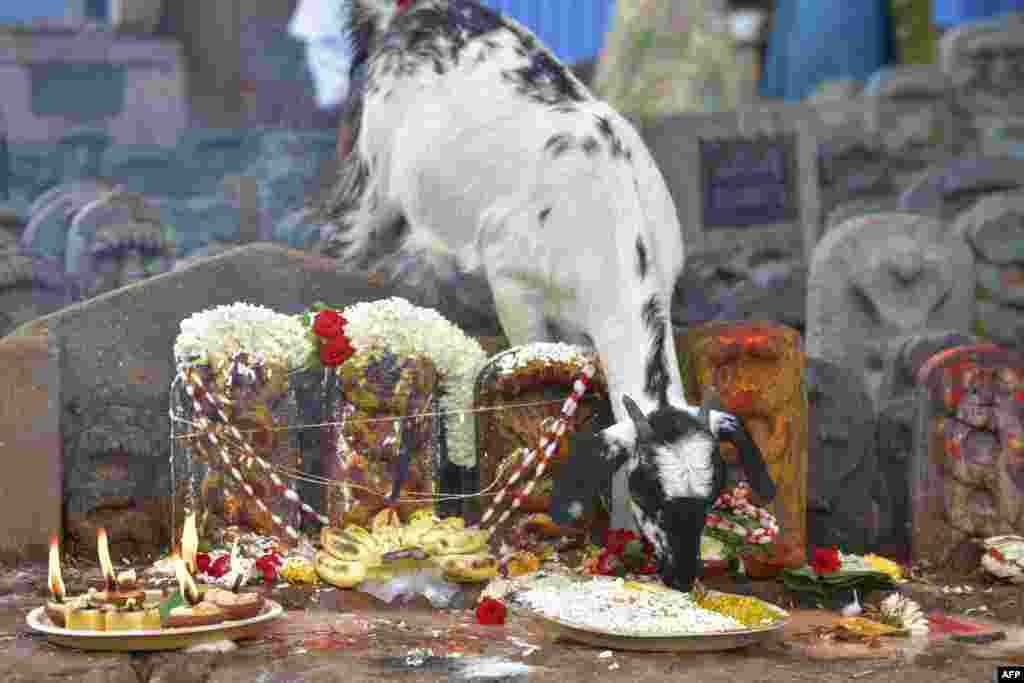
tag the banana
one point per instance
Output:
(388, 517)
(469, 568)
(340, 573)
(344, 545)
(440, 541)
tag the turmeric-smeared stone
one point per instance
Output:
(756, 370)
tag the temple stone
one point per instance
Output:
(947, 189)
(967, 473)
(118, 366)
(30, 287)
(882, 276)
(994, 229)
(756, 370)
(517, 403)
(110, 241)
(896, 421)
(52, 214)
(846, 497)
(985, 63)
(31, 497)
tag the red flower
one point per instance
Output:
(329, 323)
(490, 612)
(618, 538)
(334, 352)
(202, 563)
(268, 565)
(220, 567)
(647, 568)
(997, 555)
(610, 564)
(826, 560)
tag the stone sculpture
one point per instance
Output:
(994, 229)
(967, 473)
(756, 369)
(895, 421)
(881, 276)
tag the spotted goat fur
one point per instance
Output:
(480, 157)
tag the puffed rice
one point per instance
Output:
(608, 605)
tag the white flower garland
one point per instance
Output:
(255, 329)
(548, 352)
(404, 329)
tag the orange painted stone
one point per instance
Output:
(756, 368)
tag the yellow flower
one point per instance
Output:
(885, 566)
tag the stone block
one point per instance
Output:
(520, 392)
(118, 367)
(756, 369)
(896, 422)
(967, 473)
(946, 189)
(845, 499)
(882, 276)
(30, 444)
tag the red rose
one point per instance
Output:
(220, 567)
(328, 323)
(202, 563)
(826, 560)
(618, 538)
(490, 612)
(647, 568)
(610, 564)
(334, 352)
(268, 565)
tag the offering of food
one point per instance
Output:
(624, 608)
(354, 554)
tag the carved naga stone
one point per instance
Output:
(967, 475)
(480, 155)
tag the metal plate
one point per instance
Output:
(688, 642)
(162, 639)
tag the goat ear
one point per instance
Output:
(581, 478)
(644, 432)
(728, 427)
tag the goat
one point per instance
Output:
(479, 155)
(674, 471)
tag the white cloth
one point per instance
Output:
(321, 25)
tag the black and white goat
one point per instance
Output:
(478, 154)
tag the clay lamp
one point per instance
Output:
(59, 604)
(236, 605)
(195, 611)
(120, 587)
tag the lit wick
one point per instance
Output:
(106, 566)
(190, 543)
(186, 585)
(55, 580)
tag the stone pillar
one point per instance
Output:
(757, 370)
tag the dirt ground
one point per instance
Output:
(333, 635)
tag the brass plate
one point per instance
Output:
(162, 639)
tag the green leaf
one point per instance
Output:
(175, 600)
(307, 319)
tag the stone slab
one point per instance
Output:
(118, 365)
(30, 447)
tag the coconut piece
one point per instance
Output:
(238, 606)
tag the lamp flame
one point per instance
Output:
(190, 543)
(56, 582)
(106, 566)
(185, 583)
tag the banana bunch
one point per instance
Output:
(354, 554)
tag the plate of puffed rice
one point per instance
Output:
(618, 614)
